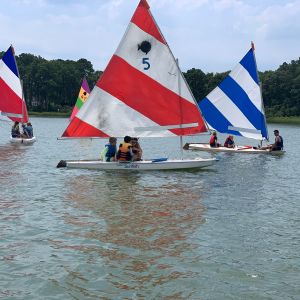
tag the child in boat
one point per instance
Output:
(110, 150)
(229, 142)
(15, 130)
(125, 150)
(29, 130)
(213, 142)
(136, 150)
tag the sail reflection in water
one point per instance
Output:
(135, 233)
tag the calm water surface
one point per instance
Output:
(228, 232)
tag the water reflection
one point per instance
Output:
(142, 230)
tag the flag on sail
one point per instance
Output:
(82, 96)
(235, 106)
(12, 103)
(141, 92)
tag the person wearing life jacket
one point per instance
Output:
(213, 142)
(278, 145)
(110, 150)
(125, 150)
(15, 130)
(229, 142)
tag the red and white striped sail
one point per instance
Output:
(12, 103)
(141, 92)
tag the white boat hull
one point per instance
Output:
(236, 149)
(23, 141)
(138, 165)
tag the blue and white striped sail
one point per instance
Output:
(235, 106)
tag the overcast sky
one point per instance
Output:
(212, 35)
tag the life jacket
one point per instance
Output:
(228, 142)
(213, 140)
(124, 153)
(15, 131)
(111, 152)
(280, 144)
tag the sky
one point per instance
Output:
(211, 35)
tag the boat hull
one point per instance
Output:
(138, 165)
(23, 141)
(237, 149)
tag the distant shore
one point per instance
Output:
(284, 120)
(49, 114)
(280, 120)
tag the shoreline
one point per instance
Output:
(270, 120)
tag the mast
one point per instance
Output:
(180, 107)
(260, 89)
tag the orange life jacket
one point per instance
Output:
(124, 153)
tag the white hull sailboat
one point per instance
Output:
(12, 103)
(141, 93)
(139, 165)
(237, 149)
(23, 141)
(236, 107)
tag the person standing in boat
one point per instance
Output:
(213, 142)
(125, 150)
(229, 142)
(136, 150)
(15, 130)
(110, 150)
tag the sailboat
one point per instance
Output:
(142, 93)
(12, 103)
(236, 107)
(82, 97)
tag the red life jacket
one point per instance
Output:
(213, 140)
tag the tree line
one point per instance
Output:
(53, 85)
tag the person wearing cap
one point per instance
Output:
(213, 142)
(229, 142)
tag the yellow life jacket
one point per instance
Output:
(124, 153)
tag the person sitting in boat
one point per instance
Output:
(229, 142)
(278, 145)
(15, 130)
(136, 150)
(110, 150)
(213, 142)
(125, 150)
(29, 130)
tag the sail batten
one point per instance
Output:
(237, 102)
(140, 88)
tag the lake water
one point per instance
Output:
(228, 232)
